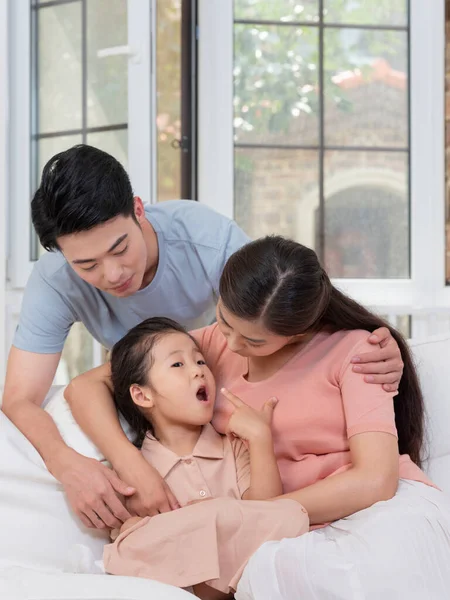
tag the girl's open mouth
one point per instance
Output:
(201, 394)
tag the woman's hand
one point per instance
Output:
(384, 365)
(247, 423)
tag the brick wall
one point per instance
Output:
(366, 209)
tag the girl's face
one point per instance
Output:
(182, 388)
(248, 338)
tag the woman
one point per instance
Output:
(283, 330)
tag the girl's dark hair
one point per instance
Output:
(131, 359)
(282, 283)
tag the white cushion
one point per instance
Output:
(58, 408)
(37, 526)
(432, 357)
(24, 584)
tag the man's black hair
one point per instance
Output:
(80, 188)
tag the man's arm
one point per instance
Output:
(89, 485)
(90, 398)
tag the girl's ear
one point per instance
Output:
(141, 396)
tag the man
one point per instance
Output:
(112, 263)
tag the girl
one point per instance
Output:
(166, 392)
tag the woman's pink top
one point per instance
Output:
(322, 403)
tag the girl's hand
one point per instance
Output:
(247, 423)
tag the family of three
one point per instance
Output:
(308, 482)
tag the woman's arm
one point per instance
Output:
(254, 428)
(372, 477)
(90, 398)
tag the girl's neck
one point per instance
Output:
(181, 439)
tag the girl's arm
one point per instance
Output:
(372, 477)
(265, 480)
(254, 428)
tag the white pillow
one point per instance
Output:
(432, 359)
(58, 408)
(37, 526)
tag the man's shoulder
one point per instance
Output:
(51, 266)
(53, 270)
(189, 221)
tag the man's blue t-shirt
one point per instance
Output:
(194, 244)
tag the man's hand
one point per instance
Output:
(153, 495)
(92, 490)
(383, 365)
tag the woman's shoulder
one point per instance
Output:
(341, 346)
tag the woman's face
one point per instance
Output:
(249, 338)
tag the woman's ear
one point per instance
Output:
(141, 396)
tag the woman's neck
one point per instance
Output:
(181, 439)
(263, 367)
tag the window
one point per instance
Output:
(321, 129)
(327, 127)
(98, 76)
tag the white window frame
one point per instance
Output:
(141, 139)
(4, 179)
(425, 292)
(140, 122)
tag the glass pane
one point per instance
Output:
(275, 84)
(366, 214)
(366, 88)
(401, 322)
(277, 191)
(59, 67)
(366, 12)
(113, 142)
(279, 10)
(77, 356)
(44, 150)
(107, 77)
(168, 89)
(48, 147)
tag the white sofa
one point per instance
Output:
(41, 542)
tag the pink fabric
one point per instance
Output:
(321, 404)
(209, 542)
(218, 467)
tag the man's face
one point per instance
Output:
(112, 256)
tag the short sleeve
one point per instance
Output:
(242, 460)
(45, 318)
(234, 239)
(367, 406)
(211, 342)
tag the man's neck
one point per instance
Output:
(151, 242)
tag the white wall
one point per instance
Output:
(3, 178)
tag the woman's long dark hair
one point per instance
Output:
(131, 360)
(283, 284)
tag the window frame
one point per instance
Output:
(140, 129)
(425, 291)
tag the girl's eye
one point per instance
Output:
(201, 362)
(177, 364)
